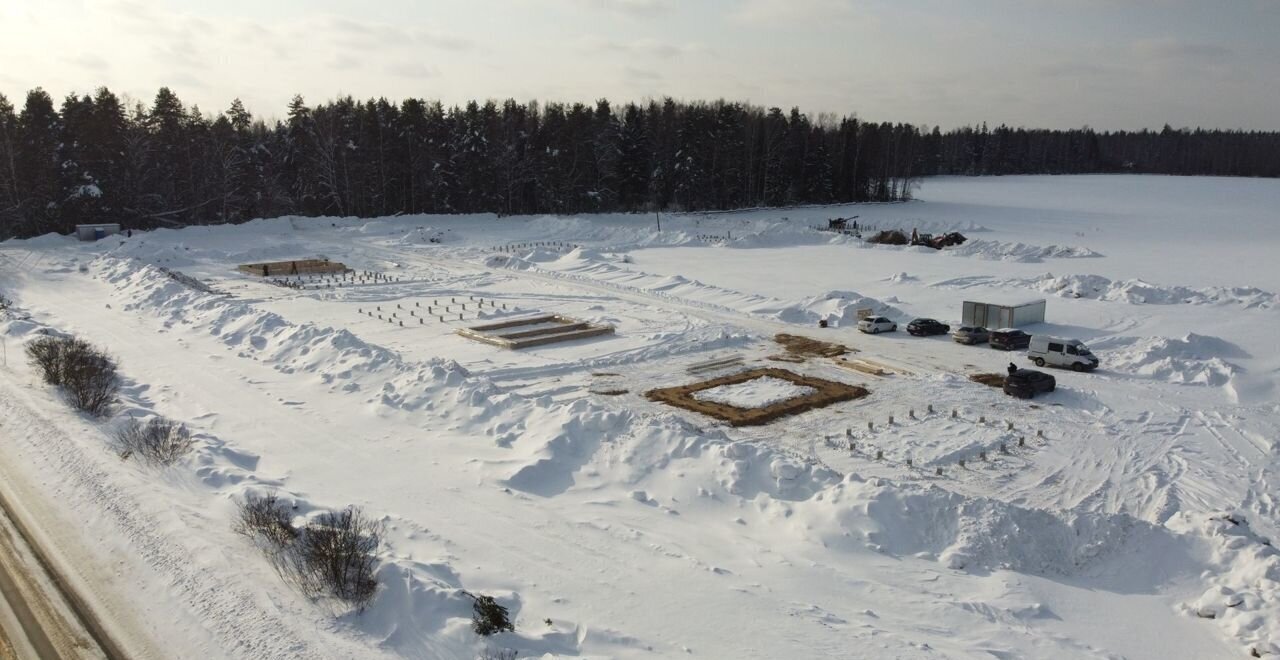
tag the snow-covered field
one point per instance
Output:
(1127, 514)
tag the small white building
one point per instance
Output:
(97, 232)
(1002, 314)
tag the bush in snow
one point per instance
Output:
(490, 653)
(266, 519)
(45, 355)
(86, 374)
(159, 441)
(334, 556)
(488, 617)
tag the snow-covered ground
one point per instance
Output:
(1111, 518)
(754, 393)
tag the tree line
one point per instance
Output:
(96, 158)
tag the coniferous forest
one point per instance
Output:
(95, 158)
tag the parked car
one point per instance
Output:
(926, 327)
(1008, 339)
(1026, 383)
(1071, 353)
(876, 324)
(971, 335)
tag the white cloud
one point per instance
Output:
(639, 47)
(636, 73)
(409, 69)
(644, 8)
(1176, 48)
(813, 13)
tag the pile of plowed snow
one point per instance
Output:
(1243, 598)
(1021, 252)
(972, 533)
(839, 308)
(1139, 292)
(1191, 360)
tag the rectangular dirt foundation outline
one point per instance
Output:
(826, 393)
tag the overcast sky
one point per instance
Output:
(1063, 63)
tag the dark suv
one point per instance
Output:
(1026, 383)
(926, 327)
(1008, 339)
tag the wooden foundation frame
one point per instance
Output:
(826, 393)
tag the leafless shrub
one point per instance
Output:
(45, 354)
(332, 556)
(491, 653)
(159, 441)
(86, 374)
(266, 519)
(337, 554)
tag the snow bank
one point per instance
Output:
(971, 533)
(840, 308)
(1191, 360)
(1244, 596)
(158, 250)
(1021, 252)
(50, 239)
(1132, 291)
(1140, 292)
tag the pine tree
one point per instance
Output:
(9, 199)
(635, 159)
(36, 165)
(80, 191)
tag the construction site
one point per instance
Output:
(698, 402)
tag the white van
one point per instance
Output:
(1072, 353)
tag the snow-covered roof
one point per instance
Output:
(1008, 302)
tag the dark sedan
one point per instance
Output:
(1008, 339)
(926, 327)
(1026, 383)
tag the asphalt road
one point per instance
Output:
(39, 617)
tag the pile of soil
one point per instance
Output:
(802, 347)
(889, 237)
(990, 380)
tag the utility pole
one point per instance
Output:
(659, 219)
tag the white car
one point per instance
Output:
(876, 324)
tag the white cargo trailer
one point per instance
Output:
(1002, 315)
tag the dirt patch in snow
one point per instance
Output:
(808, 347)
(824, 393)
(988, 379)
